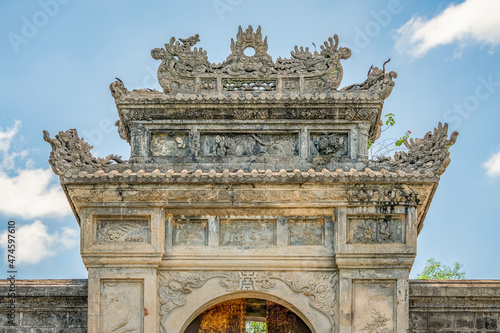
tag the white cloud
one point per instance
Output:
(30, 195)
(472, 20)
(27, 192)
(34, 243)
(492, 165)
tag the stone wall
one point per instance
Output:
(46, 306)
(455, 306)
(435, 306)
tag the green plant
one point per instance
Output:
(434, 270)
(382, 148)
(255, 327)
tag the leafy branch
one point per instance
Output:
(384, 147)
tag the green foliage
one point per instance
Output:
(390, 119)
(255, 327)
(380, 148)
(370, 143)
(434, 270)
(402, 139)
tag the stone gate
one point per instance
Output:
(249, 188)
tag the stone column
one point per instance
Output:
(122, 249)
(375, 248)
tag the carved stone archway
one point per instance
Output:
(250, 179)
(185, 295)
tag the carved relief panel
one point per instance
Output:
(329, 144)
(190, 231)
(374, 306)
(306, 231)
(375, 230)
(170, 144)
(122, 306)
(248, 232)
(109, 230)
(249, 144)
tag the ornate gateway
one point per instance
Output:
(249, 190)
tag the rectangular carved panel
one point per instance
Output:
(249, 144)
(122, 231)
(189, 231)
(248, 232)
(329, 144)
(122, 306)
(374, 306)
(375, 230)
(170, 144)
(306, 231)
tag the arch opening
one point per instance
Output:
(247, 315)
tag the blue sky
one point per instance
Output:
(58, 57)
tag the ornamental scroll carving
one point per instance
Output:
(320, 288)
(69, 151)
(185, 68)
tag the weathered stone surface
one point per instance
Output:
(463, 306)
(251, 179)
(454, 306)
(45, 306)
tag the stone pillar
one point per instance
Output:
(375, 248)
(122, 249)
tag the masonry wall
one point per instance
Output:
(455, 306)
(45, 306)
(435, 306)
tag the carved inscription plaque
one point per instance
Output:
(375, 230)
(249, 144)
(307, 231)
(189, 231)
(374, 306)
(329, 144)
(122, 306)
(170, 144)
(248, 232)
(122, 231)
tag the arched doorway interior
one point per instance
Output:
(249, 315)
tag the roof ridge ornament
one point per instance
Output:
(186, 69)
(71, 152)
